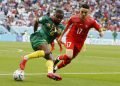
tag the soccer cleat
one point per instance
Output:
(54, 76)
(22, 64)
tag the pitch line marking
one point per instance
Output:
(99, 73)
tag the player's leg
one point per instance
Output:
(50, 74)
(49, 64)
(69, 51)
(65, 59)
(61, 57)
(38, 43)
(67, 56)
(39, 53)
(70, 54)
(36, 54)
(47, 55)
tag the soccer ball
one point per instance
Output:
(18, 75)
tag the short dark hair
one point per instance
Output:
(59, 11)
(85, 6)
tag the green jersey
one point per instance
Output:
(49, 29)
(48, 32)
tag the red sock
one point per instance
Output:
(63, 63)
(22, 64)
(63, 57)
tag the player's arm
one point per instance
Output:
(38, 21)
(36, 24)
(60, 44)
(98, 27)
(66, 29)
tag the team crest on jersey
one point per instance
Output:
(48, 24)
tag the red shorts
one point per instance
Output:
(74, 45)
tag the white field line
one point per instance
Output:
(15, 50)
(97, 73)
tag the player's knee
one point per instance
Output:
(48, 56)
(69, 53)
(69, 56)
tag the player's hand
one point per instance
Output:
(52, 48)
(101, 34)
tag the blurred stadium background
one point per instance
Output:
(98, 66)
(16, 17)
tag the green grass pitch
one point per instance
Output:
(98, 66)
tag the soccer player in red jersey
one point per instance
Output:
(77, 29)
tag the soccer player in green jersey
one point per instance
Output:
(51, 28)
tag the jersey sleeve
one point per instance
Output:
(68, 24)
(96, 25)
(61, 26)
(42, 19)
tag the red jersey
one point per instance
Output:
(79, 29)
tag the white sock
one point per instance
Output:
(56, 68)
(58, 58)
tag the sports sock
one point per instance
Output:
(36, 54)
(63, 57)
(49, 65)
(63, 63)
(55, 68)
(22, 64)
